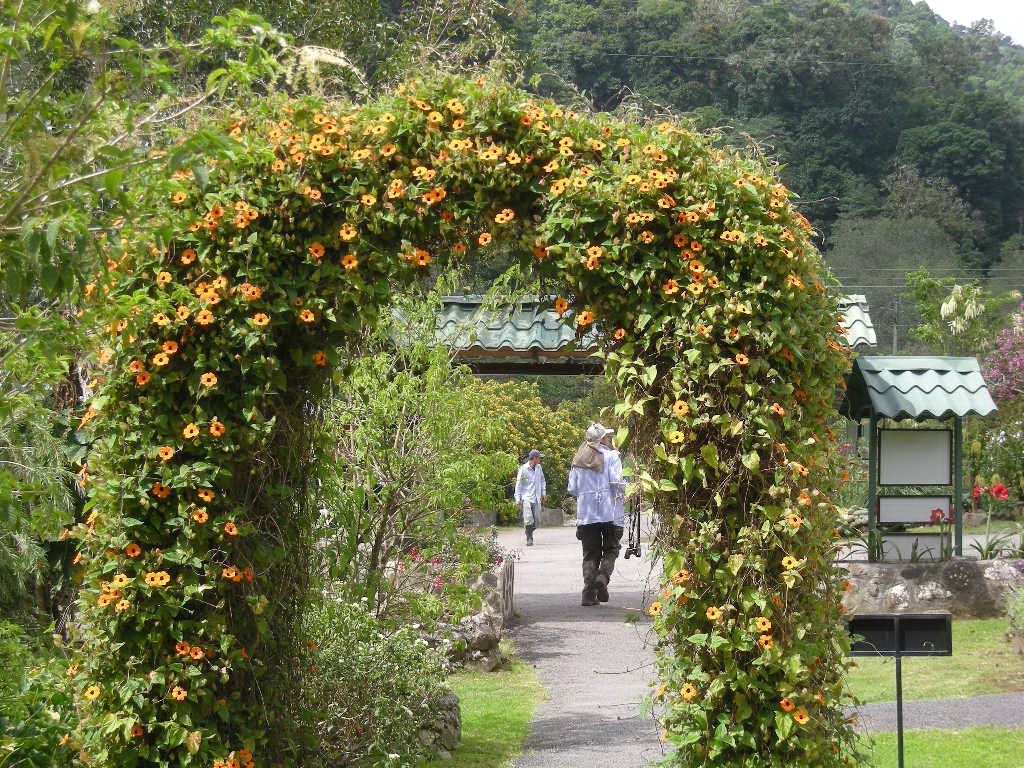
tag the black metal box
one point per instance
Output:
(901, 634)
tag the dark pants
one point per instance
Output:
(600, 549)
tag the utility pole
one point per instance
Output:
(896, 325)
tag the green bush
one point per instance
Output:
(35, 710)
(372, 689)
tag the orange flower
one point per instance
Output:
(137, 731)
(260, 319)
(801, 717)
(142, 379)
(794, 520)
(741, 359)
(205, 494)
(320, 358)
(688, 692)
(765, 641)
(584, 318)
(670, 287)
(133, 550)
(178, 198)
(316, 250)
(178, 693)
(182, 648)
(763, 623)
(348, 261)
(217, 428)
(200, 515)
(561, 305)
(122, 606)
(713, 613)
(160, 490)
(681, 576)
(778, 409)
(787, 705)
(204, 317)
(169, 347)
(307, 316)
(485, 238)
(166, 453)
(196, 652)
(647, 236)
(680, 408)
(136, 366)
(230, 572)
(230, 529)
(620, 334)
(163, 278)
(208, 379)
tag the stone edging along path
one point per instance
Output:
(596, 664)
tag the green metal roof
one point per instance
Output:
(855, 320)
(916, 387)
(530, 328)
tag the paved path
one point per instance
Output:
(1000, 709)
(595, 665)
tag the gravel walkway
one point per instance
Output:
(593, 662)
(596, 663)
(1000, 709)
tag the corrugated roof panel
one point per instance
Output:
(920, 387)
(525, 327)
(860, 331)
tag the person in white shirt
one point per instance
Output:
(595, 479)
(530, 491)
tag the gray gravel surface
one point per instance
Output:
(594, 663)
(1001, 709)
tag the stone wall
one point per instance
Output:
(965, 588)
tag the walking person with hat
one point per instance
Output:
(595, 479)
(531, 490)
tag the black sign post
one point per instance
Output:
(899, 635)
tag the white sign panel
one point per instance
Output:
(911, 509)
(915, 457)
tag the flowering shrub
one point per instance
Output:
(1003, 368)
(529, 424)
(223, 316)
(361, 672)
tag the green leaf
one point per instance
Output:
(710, 454)
(752, 461)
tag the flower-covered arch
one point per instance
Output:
(221, 331)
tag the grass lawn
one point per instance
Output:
(969, 748)
(496, 709)
(982, 662)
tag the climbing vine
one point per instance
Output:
(225, 314)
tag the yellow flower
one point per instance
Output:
(208, 379)
(688, 692)
(763, 623)
(713, 613)
(654, 609)
(789, 562)
(92, 692)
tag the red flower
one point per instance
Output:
(936, 517)
(976, 492)
(1000, 492)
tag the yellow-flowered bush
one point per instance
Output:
(260, 263)
(529, 424)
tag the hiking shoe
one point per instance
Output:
(588, 597)
(529, 540)
(601, 587)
